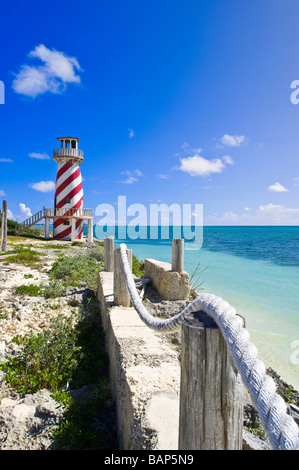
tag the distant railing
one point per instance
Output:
(50, 213)
(67, 152)
(64, 212)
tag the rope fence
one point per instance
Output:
(281, 428)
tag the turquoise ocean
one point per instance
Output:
(256, 270)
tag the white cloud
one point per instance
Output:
(6, 160)
(43, 186)
(227, 159)
(131, 133)
(52, 76)
(199, 166)
(129, 180)
(277, 188)
(39, 156)
(2, 193)
(163, 177)
(232, 140)
(25, 211)
(269, 214)
(187, 150)
(10, 215)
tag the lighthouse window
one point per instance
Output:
(73, 144)
(67, 201)
(66, 222)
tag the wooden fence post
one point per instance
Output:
(121, 293)
(4, 227)
(90, 231)
(47, 228)
(211, 393)
(178, 255)
(73, 229)
(109, 254)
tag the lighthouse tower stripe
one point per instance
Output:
(63, 231)
(66, 179)
(73, 187)
(69, 196)
(64, 171)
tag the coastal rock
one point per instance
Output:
(170, 284)
(27, 423)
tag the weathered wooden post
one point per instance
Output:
(211, 393)
(90, 231)
(178, 255)
(109, 254)
(4, 227)
(73, 229)
(121, 293)
(47, 226)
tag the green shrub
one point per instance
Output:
(96, 252)
(47, 360)
(137, 267)
(74, 353)
(31, 289)
(76, 432)
(23, 255)
(54, 289)
(75, 269)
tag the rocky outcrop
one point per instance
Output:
(171, 285)
(27, 422)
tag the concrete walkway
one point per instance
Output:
(144, 374)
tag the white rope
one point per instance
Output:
(280, 426)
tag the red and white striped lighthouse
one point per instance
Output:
(68, 191)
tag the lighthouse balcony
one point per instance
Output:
(68, 152)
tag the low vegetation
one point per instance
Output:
(54, 289)
(29, 289)
(22, 254)
(31, 232)
(69, 354)
(47, 359)
(75, 269)
(137, 267)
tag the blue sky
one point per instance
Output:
(175, 102)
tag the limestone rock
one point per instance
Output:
(170, 284)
